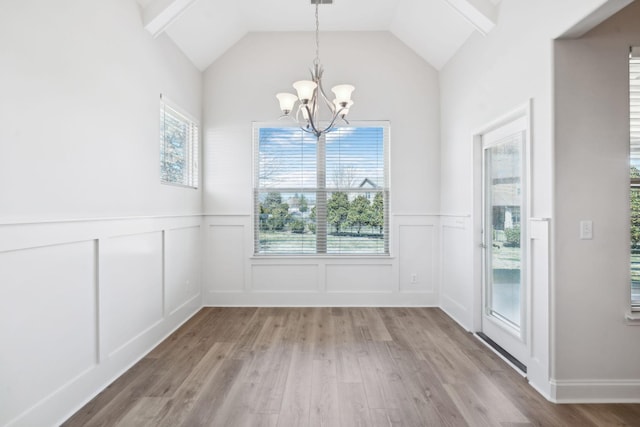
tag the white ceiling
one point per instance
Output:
(205, 29)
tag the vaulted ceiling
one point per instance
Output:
(205, 29)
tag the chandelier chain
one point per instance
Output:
(317, 60)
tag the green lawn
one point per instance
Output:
(506, 258)
(305, 243)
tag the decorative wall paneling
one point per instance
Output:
(235, 277)
(82, 300)
(456, 252)
(538, 367)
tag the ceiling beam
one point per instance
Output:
(159, 14)
(482, 14)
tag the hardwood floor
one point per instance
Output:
(329, 367)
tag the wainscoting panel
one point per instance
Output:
(285, 278)
(368, 278)
(457, 282)
(417, 265)
(48, 312)
(131, 296)
(224, 265)
(83, 300)
(538, 368)
(182, 258)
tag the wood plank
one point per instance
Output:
(475, 414)
(270, 333)
(147, 412)
(372, 378)
(324, 336)
(296, 401)
(213, 394)
(266, 379)
(324, 394)
(394, 385)
(246, 340)
(121, 386)
(428, 394)
(196, 384)
(353, 410)
(125, 398)
(347, 365)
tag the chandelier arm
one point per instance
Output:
(311, 131)
(313, 111)
(333, 121)
(311, 122)
(329, 104)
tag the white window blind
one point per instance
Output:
(178, 146)
(634, 131)
(326, 196)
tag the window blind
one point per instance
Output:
(321, 196)
(178, 147)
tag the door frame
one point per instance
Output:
(522, 111)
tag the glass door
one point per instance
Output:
(504, 293)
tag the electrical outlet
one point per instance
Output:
(414, 278)
(586, 229)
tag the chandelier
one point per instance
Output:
(311, 97)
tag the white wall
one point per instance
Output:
(80, 88)
(596, 351)
(98, 261)
(488, 78)
(392, 83)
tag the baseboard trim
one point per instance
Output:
(595, 391)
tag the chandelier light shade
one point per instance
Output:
(287, 101)
(311, 98)
(306, 90)
(343, 94)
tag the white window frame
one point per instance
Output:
(190, 176)
(322, 251)
(634, 135)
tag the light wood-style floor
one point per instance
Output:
(330, 367)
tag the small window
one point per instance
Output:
(634, 175)
(178, 146)
(321, 196)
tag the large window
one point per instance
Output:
(321, 196)
(634, 106)
(178, 146)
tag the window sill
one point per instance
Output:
(177, 184)
(632, 318)
(323, 257)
